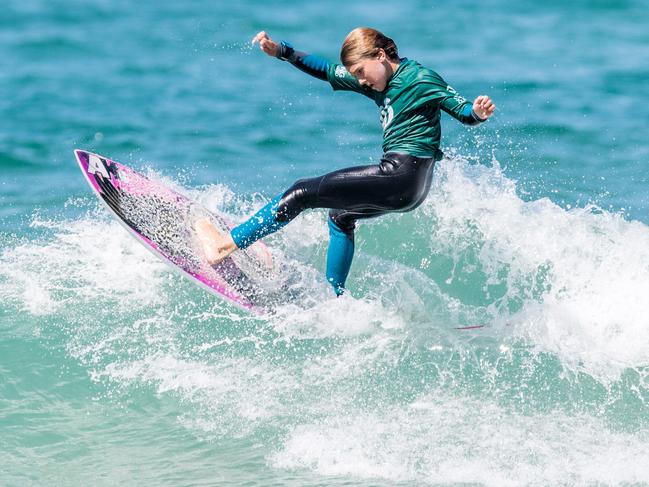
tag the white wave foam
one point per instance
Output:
(230, 397)
(447, 440)
(576, 280)
(84, 261)
(343, 316)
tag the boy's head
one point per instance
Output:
(369, 55)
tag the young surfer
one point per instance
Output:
(410, 98)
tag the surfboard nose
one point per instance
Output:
(78, 153)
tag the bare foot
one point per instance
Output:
(215, 245)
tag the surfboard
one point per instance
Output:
(162, 220)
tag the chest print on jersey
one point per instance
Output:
(387, 114)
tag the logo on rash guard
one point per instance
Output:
(387, 114)
(341, 72)
(456, 95)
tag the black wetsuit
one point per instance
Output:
(400, 182)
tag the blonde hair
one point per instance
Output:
(365, 42)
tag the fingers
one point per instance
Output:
(483, 101)
(258, 38)
(484, 106)
(266, 44)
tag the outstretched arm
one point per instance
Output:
(336, 74)
(444, 95)
(309, 63)
(466, 112)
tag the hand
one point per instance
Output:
(266, 44)
(483, 107)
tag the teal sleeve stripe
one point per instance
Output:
(471, 117)
(314, 65)
(309, 63)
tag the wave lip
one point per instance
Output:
(571, 281)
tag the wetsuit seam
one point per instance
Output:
(322, 178)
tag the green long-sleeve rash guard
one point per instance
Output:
(410, 104)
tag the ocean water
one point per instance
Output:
(114, 370)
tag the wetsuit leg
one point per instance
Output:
(261, 224)
(399, 183)
(341, 244)
(339, 256)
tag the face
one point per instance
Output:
(372, 72)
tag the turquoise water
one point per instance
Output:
(114, 370)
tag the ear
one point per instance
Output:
(381, 56)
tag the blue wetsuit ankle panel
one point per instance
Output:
(339, 257)
(261, 224)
